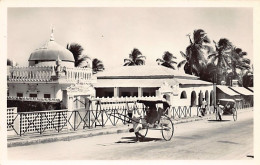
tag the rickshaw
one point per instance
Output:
(155, 118)
(226, 107)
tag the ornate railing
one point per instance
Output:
(37, 73)
(79, 74)
(48, 74)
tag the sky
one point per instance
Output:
(110, 34)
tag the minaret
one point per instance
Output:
(52, 35)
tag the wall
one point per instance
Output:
(177, 101)
(52, 89)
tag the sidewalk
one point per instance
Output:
(16, 140)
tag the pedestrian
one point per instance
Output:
(203, 107)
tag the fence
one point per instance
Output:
(102, 114)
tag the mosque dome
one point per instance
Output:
(51, 51)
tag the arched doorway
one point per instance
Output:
(200, 98)
(207, 97)
(183, 95)
(212, 98)
(193, 99)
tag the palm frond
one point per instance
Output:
(181, 63)
(172, 62)
(159, 60)
(183, 55)
(212, 55)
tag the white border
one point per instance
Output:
(126, 3)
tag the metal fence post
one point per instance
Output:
(74, 126)
(40, 123)
(20, 124)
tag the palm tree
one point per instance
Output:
(239, 62)
(135, 58)
(222, 56)
(97, 65)
(80, 59)
(195, 52)
(187, 66)
(167, 60)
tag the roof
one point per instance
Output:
(156, 71)
(242, 91)
(106, 83)
(51, 51)
(192, 82)
(227, 90)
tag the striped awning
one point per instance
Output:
(242, 91)
(227, 90)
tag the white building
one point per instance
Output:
(50, 76)
(138, 81)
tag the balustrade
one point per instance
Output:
(40, 73)
(47, 73)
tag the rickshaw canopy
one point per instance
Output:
(227, 101)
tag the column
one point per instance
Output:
(140, 92)
(116, 92)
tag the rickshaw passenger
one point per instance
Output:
(227, 109)
(151, 114)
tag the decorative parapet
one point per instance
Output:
(51, 74)
(31, 74)
(79, 75)
(33, 99)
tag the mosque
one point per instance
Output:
(52, 77)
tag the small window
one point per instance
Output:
(33, 95)
(47, 96)
(19, 94)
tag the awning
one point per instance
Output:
(242, 91)
(251, 89)
(227, 90)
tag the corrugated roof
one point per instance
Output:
(143, 71)
(106, 83)
(227, 90)
(242, 91)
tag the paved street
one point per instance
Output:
(200, 140)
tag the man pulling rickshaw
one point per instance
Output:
(153, 117)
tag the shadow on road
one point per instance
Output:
(132, 140)
(218, 120)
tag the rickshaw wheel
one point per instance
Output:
(234, 111)
(167, 128)
(144, 131)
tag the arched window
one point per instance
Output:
(193, 98)
(207, 96)
(212, 98)
(183, 95)
(200, 98)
